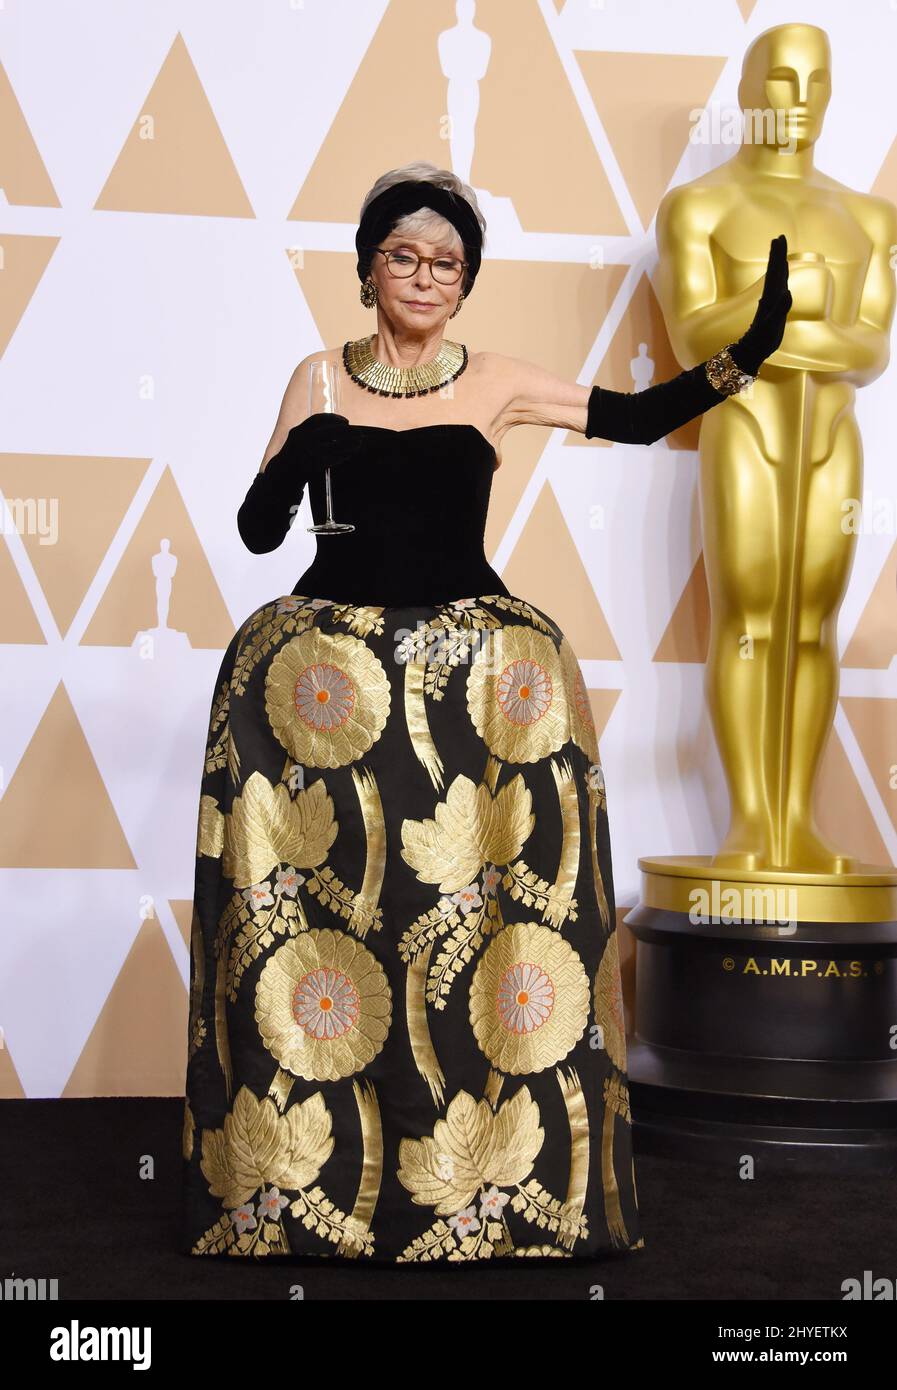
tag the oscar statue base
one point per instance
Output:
(765, 1033)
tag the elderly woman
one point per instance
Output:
(406, 1036)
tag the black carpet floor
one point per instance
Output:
(76, 1208)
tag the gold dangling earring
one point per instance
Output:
(368, 294)
(458, 305)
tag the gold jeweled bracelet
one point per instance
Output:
(724, 374)
(386, 380)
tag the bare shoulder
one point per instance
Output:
(297, 387)
(294, 405)
(526, 393)
(490, 376)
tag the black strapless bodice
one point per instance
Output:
(418, 499)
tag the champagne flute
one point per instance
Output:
(324, 397)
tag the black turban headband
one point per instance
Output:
(382, 213)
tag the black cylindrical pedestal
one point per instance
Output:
(750, 1038)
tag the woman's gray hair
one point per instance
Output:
(425, 222)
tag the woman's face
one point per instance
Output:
(417, 303)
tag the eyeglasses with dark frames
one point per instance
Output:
(446, 270)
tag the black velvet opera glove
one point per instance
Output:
(641, 417)
(269, 507)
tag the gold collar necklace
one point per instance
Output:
(386, 380)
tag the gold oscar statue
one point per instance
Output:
(766, 975)
(777, 463)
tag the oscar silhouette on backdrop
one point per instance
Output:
(164, 564)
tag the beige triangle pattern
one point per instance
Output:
(873, 643)
(842, 811)
(141, 1030)
(175, 158)
(390, 96)
(23, 174)
(686, 637)
(183, 915)
(885, 185)
(24, 260)
(747, 8)
(648, 135)
(11, 1087)
(642, 325)
(128, 605)
(330, 284)
(603, 703)
(525, 76)
(562, 588)
(91, 496)
(18, 621)
(56, 812)
(873, 722)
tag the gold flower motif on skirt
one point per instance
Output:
(327, 697)
(529, 999)
(516, 697)
(323, 1005)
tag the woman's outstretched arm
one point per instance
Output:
(640, 417)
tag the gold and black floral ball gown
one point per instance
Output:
(406, 1035)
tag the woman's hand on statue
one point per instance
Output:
(768, 325)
